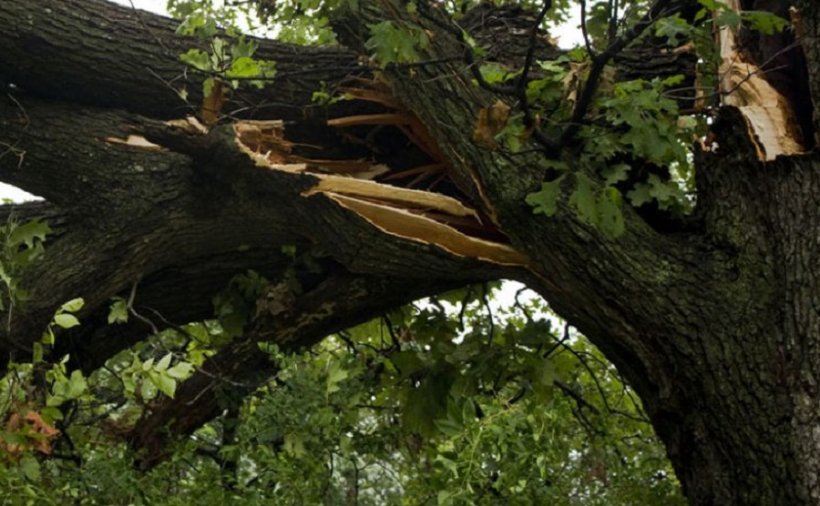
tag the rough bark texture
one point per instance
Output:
(717, 327)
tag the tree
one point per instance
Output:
(711, 318)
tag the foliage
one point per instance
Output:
(447, 401)
(230, 58)
(21, 244)
(396, 44)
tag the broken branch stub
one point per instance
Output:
(770, 120)
(417, 215)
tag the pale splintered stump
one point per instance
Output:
(771, 121)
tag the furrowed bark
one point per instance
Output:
(807, 33)
(102, 54)
(716, 328)
(694, 321)
(134, 212)
(177, 218)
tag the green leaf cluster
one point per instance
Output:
(394, 43)
(452, 400)
(21, 244)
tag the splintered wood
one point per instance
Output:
(265, 143)
(769, 117)
(422, 216)
(136, 141)
(420, 228)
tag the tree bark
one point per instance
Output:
(708, 326)
(716, 326)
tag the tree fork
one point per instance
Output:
(716, 328)
(711, 366)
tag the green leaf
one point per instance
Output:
(118, 313)
(66, 320)
(77, 385)
(407, 362)
(424, 403)
(148, 364)
(73, 305)
(675, 29)
(243, 47)
(164, 362)
(208, 86)
(218, 46)
(614, 173)
(583, 199)
(197, 59)
(181, 370)
(545, 201)
(728, 17)
(663, 192)
(37, 353)
(294, 444)
(243, 66)
(640, 194)
(611, 215)
(51, 414)
(28, 233)
(345, 445)
(198, 25)
(13, 437)
(494, 73)
(335, 375)
(449, 427)
(765, 22)
(30, 467)
(444, 497)
(164, 383)
(48, 336)
(148, 390)
(394, 44)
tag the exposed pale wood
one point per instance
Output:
(770, 119)
(136, 141)
(265, 143)
(412, 226)
(371, 119)
(189, 124)
(390, 194)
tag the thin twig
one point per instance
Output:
(575, 395)
(599, 63)
(490, 317)
(585, 30)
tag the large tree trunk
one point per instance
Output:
(717, 330)
(717, 326)
(740, 418)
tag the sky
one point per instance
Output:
(157, 6)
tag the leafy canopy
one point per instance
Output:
(446, 401)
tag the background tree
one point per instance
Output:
(458, 157)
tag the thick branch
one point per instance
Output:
(144, 214)
(96, 52)
(620, 292)
(341, 301)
